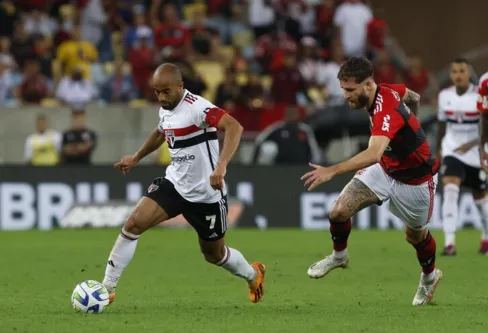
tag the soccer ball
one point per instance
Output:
(90, 297)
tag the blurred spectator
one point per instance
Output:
(35, 86)
(228, 91)
(142, 59)
(79, 142)
(22, 45)
(6, 84)
(120, 87)
(261, 17)
(271, 47)
(75, 89)
(192, 80)
(171, 36)
(328, 75)
(43, 147)
(416, 76)
(44, 54)
(384, 71)
(252, 93)
(140, 29)
(65, 16)
(251, 103)
(309, 60)
(298, 16)
(287, 142)
(204, 39)
(92, 21)
(376, 30)
(9, 14)
(324, 25)
(6, 56)
(239, 62)
(287, 82)
(38, 22)
(77, 53)
(351, 19)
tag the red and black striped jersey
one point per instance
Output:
(408, 157)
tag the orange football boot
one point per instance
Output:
(256, 287)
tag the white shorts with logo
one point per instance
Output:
(413, 204)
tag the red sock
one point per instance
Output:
(340, 232)
(426, 253)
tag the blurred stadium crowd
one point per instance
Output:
(263, 60)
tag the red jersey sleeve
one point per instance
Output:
(387, 121)
(482, 103)
(401, 89)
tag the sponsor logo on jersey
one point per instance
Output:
(184, 158)
(386, 123)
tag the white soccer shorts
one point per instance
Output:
(413, 204)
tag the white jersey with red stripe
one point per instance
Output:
(483, 93)
(462, 118)
(191, 132)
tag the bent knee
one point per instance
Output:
(339, 213)
(135, 225)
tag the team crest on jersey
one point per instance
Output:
(170, 137)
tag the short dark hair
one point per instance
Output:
(358, 68)
(460, 60)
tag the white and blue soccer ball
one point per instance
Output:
(90, 297)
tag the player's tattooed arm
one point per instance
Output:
(356, 196)
(412, 100)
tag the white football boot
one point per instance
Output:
(425, 291)
(323, 267)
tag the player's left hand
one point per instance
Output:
(217, 177)
(318, 176)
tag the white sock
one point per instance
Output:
(482, 206)
(428, 277)
(119, 258)
(450, 213)
(235, 263)
(340, 254)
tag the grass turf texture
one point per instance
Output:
(170, 288)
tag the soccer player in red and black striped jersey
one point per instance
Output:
(193, 184)
(397, 165)
(482, 106)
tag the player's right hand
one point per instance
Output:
(484, 159)
(126, 163)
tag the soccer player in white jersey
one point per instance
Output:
(458, 144)
(194, 183)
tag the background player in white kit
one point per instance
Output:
(458, 144)
(194, 182)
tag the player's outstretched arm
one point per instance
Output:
(233, 131)
(370, 156)
(412, 100)
(153, 142)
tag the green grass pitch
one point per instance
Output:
(170, 288)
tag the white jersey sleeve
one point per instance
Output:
(441, 115)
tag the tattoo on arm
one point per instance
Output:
(355, 197)
(412, 100)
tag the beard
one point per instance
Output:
(361, 102)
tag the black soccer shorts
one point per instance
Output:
(471, 177)
(208, 219)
